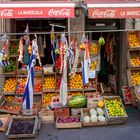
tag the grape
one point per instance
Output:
(22, 127)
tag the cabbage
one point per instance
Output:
(93, 111)
(100, 111)
(86, 119)
(93, 118)
(101, 118)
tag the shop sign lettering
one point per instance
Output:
(30, 12)
(62, 12)
(6, 13)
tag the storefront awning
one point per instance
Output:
(113, 9)
(37, 9)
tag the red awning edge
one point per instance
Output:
(39, 9)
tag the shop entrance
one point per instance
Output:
(108, 73)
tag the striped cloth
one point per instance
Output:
(85, 65)
(29, 86)
(2, 62)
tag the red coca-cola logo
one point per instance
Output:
(6, 13)
(61, 12)
(104, 13)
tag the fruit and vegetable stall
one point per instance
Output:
(66, 93)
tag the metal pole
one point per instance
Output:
(69, 33)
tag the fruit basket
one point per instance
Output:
(90, 117)
(115, 110)
(68, 122)
(4, 121)
(22, 127)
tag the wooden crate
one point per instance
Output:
(93, 102)
(61, 112)
(8, 110)
(76, 112)
(124, 90)
(5, 118)
(85, 112)
(67, 124)
(137, 33)
(26, 118)
(33, 111)
(115, 119)
(47, 116)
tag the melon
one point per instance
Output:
(100, 111)
(79, 101)
(86, 119)
(93, 118)
(92, 111)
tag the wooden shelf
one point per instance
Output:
(90, 89)
(46, 74)
(76, 89)
(134, 49)
(13, 55)
(37, 93)
(135, 68)
(48, 90)
(9, 93)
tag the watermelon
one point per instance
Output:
(77, 101)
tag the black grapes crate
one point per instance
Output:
(23, 127)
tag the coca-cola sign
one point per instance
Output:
(6, 13)
(61, 12)
(104, 14)
(113, 12)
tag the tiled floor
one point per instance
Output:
(130, 130)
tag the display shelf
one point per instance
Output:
(133, 62)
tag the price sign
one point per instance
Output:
(92, 74)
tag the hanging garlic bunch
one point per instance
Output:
(75, 64)
(20, 59)
(63, 50)
(34, 43)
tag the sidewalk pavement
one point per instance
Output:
(130, 130)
